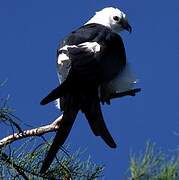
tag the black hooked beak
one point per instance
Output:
(124, 23)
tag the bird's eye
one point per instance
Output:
(116, 18)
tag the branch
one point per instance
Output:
(55, 125)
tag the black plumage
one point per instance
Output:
(87, 72)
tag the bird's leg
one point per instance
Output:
(131, 92)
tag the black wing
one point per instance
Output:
(101, 66)
(88, 68)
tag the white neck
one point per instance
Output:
(99, 20)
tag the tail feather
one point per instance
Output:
(90, 106)
(55, 94)
(96, 121)
(60, 137)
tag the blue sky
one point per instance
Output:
(29, 34)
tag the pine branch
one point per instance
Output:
(7, 159)
(153, 164)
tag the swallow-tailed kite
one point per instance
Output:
(91, 64)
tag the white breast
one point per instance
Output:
(125, 81)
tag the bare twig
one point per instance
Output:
(55, 125)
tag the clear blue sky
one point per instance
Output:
(29, 34)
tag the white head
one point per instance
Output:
(112, 18)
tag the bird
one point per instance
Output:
(91, 65)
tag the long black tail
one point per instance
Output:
(89, 104)
(60, 137)
(95, 118)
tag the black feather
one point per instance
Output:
(66, 124)
(56, 93)
(93, 113)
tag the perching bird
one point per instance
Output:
(91, 64)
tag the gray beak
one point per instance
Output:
(124, 23)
